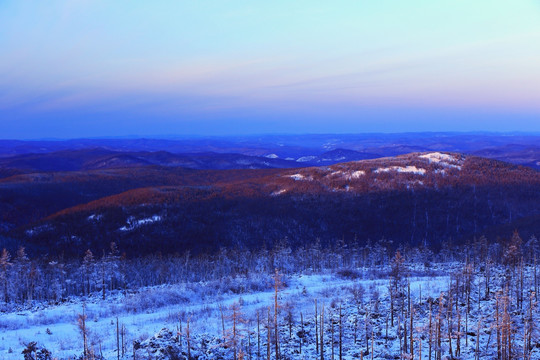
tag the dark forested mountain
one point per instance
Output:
(528, 155)
(428, 198)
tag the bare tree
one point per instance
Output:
(235, 334)
(81, 322)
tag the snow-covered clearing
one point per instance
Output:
(445, 160)
(347, 175)
(299, 177)
(407, 169)
(356, 174)
(455, 298)
(146, 312)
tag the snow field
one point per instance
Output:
(146, 312)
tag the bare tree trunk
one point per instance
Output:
(222, 320)
(332, 337)
(122, 338)
(356, 324)
(411, 311)
(249, 340)
(372, 344)
(450, 323)
(391, 291)
(477, 351)
(439, 330)
(276, 332)
(117, 340)
(316, 329)
(498, 328)
(188, 337)
(302, 329)
(322, 332)
(84, 332)
(430, 333)
(535, 280)
(268, 329)
(405, 340)
(399, 335)
(103, 276)
(340, 335)
(458, 340)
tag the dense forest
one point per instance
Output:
(417, 199)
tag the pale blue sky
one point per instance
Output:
(91, 68)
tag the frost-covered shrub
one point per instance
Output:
(155, 298)
(357, 292)
(33, 352)
(348, 274)
(242, 284)
(167, 345)
(162, 346)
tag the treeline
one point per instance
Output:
(52, 278)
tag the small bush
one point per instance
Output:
(350, 274)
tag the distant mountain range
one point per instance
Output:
(99, 158)
(201, 153)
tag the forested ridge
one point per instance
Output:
(415, 199)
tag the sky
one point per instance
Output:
(82, 68)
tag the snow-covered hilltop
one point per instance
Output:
(401, 172)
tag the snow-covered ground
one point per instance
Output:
(407, 169)
(361, 295)
(147, 311)
(446, 160)
(133, 223)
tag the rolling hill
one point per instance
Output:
(99, 158)
(429, 198)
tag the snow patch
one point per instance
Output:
(446, 160)
(39, 229)
(94, 217)
(414, 183)
(440, 171)
(408, 169)
(132, 223)
(272, 156)
(438, 157)
(306, 158)
(356, 174)
(279, 192)
(298, 177)
(347, 175)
